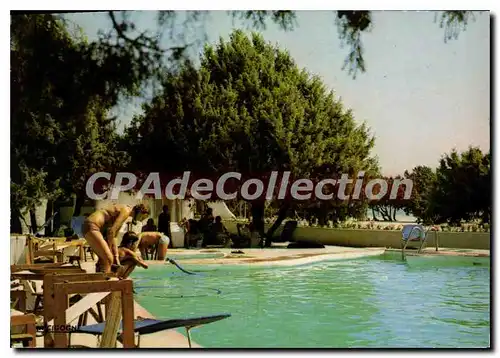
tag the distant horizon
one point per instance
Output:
(421, 97)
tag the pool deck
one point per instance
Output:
(272, 256)
(444, 251)
(292, 257)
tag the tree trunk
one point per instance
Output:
(486, 217)
(80, 201)
(33, 223)
(373, 215)
(258, 219)
(57, 219)
(48, 213)
(15, 222)
(384, 212)
(282, 214)
(322, 213)
(310, 218)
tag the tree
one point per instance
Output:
(388, 206)
(463, 188)
(60, 97)
(420, 204)
(249, 109)
(459, 189)
(354, 205)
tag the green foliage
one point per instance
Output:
(351, 24)
(458, 190)
(248, 109)
(387, 206)
(463, 190)
(286, 19)
(60, 97)
(454, 21)
(424, 181)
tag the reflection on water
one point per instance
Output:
(357, 303)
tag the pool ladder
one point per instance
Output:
(423, 241)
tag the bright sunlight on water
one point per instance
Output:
(374, 302)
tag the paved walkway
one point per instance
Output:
(446, 251)
(269, 257)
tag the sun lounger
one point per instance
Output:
(39, 274)
(148, 326)
(27, 334)
(26, 284)
(60, 313)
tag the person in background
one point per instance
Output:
(150, 242)
(184, 224)
(164, 223)
(222, 236)
(205, 227)
(150, 226)
(193, 235)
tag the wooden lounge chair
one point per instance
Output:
(118, 295)
(53, 250)
(18, 298)
(148, 326)
(27, 336)
(26, 288)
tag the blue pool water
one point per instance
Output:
(373, 302)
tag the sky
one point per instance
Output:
(420, 96)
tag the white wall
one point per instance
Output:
(17, 250)
(40, 217)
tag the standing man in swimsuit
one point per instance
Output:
(101, 227)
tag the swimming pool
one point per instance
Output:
(380, 302)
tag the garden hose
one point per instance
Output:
(172, 261)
